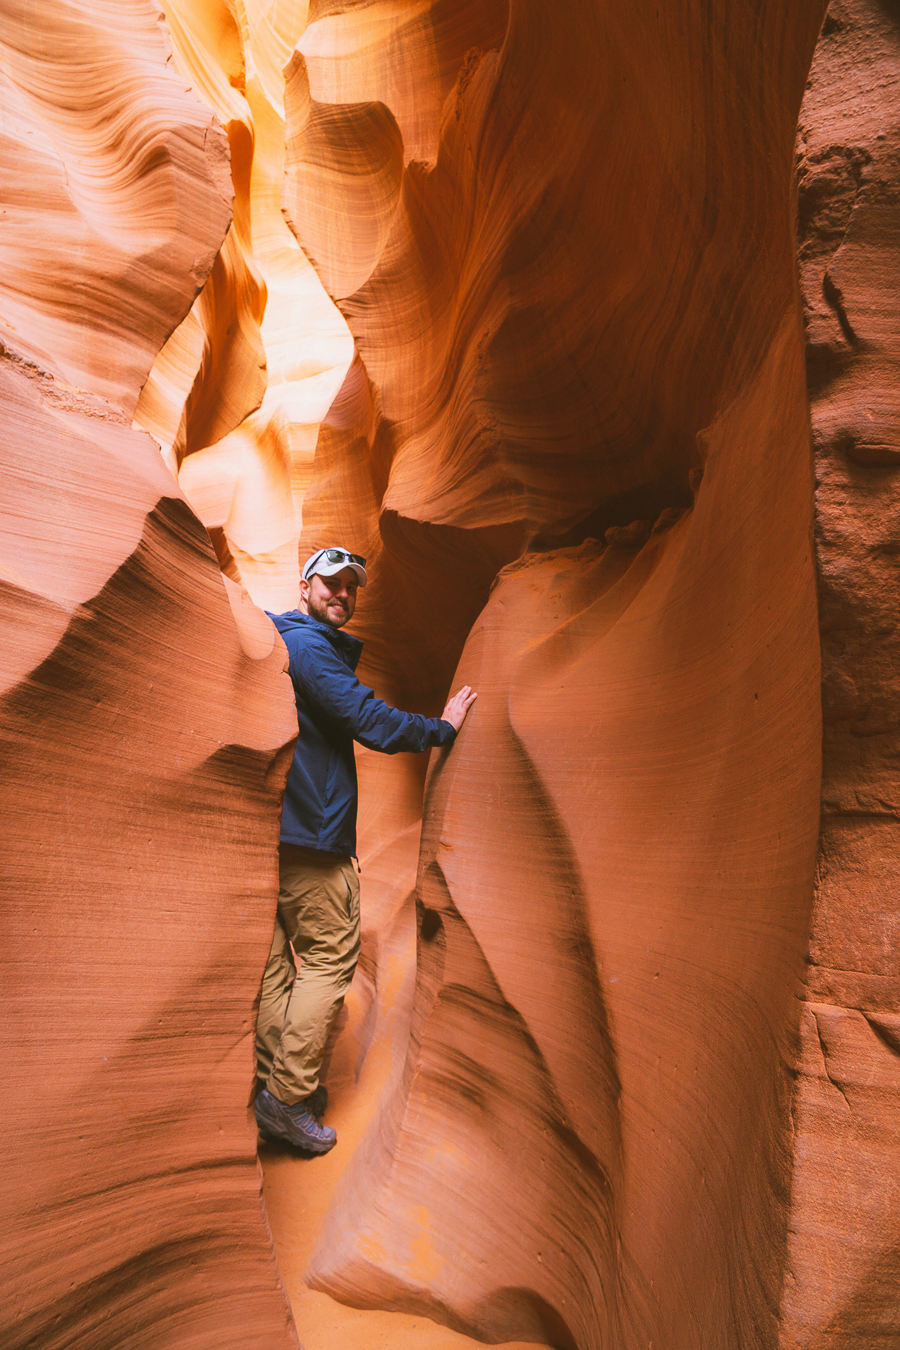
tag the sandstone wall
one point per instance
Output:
(844, 1262)
(528, 334)
(236, 396)
(143, 733)
(558, 350)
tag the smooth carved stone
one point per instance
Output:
(144, 737)
(617, 857)
(236, 396)
(116, 192)
(348, 171)
(563, 244)
(566, 880)
(140, 799)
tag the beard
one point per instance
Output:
(335, 617)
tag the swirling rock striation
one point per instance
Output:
(144, 734)
(116, 192)
(580, 363)
(567, 420)
(236, 396)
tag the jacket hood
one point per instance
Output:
(349, 646)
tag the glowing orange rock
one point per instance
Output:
(573, 441)
(143, 733)
(562, 347)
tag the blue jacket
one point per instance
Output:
(333, 710)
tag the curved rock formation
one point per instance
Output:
(116, 192)
(562, 407)
(144, 732)
(236, 396)
(616, 867)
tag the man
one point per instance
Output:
(318, 902)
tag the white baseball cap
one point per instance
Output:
(327, 562)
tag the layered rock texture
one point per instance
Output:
(604, 390)
(143, 732)
(236, 396)
(505, 296)
(844, 1266)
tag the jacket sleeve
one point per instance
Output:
(333, 691)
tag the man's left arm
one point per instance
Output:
(334, 689)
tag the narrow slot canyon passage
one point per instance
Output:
(581, 327)
(236, 400)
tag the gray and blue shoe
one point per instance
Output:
(316, 1102)
(293, 1124)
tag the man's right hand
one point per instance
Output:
(458, 706)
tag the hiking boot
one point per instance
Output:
(316, 1103)
(294, 1124)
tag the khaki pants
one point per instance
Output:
(318, 915)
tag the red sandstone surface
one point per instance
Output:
(843, 1272)
(505, 296)
(144, 732)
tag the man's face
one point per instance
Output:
(331, 600)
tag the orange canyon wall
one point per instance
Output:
(144, 734)
(614, 883)
(528, 333)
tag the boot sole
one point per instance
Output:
(307, 1146)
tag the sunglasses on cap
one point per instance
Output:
(333, 556)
